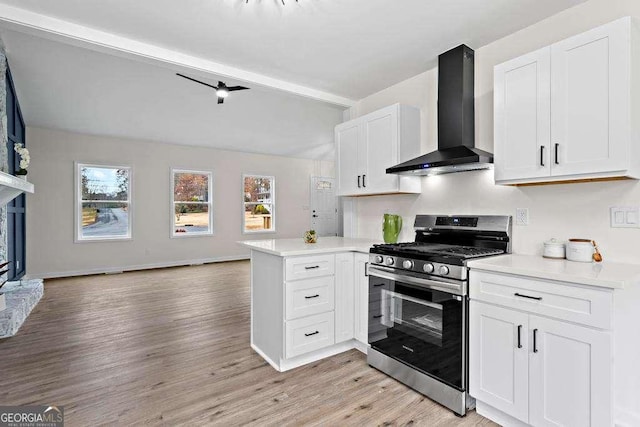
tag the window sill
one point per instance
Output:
(188, 235)
(105, 239)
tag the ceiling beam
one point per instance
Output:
(58, 30)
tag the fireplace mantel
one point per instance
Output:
(11, 187)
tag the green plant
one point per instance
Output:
(260, 210)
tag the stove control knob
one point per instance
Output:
(390, 261)
(408, 264)
(428, 268)
(444, 270)
(378, 259)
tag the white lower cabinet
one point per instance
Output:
(344, 298)
(309, 333)
(499, 355)
(361, 297)
(306, 308)
(570, 375)
(531, 367)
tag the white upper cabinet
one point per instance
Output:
(565, 111)
(522, 117)
(370, 144)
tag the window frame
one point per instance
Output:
(209, 232)
(273, 204)
(78, 202)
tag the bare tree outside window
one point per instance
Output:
(104, 202)
(259, 195)
(191, 203)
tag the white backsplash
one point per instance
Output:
(562, 211)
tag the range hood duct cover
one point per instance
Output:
(456, 128)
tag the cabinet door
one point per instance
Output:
(522, 117)
(590, 101)
(570, 375)
(381, 136)
(348, 139)
(345, 297)
(498, 365)
(362, 297)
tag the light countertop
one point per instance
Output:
(605, 274)
(293, 247)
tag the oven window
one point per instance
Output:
(418, 318)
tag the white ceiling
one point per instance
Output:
(107, 66)
(351, 48)
(70, 88)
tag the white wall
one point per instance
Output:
(561, 211)
(51, 250)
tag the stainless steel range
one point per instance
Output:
(418, 303)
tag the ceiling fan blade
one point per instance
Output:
(232, 88)
(197, 81)
(220, 100)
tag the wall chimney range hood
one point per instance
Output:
(456, 151)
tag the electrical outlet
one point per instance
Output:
(522, 216)
(625, 217)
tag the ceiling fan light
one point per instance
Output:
(222, 92)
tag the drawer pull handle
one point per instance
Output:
(535, 340)
(312, 296)
(519, 336)
(312, 333)
(557, 146)
(377, 316)
(528, 296)
(542, 155)
(312, 267)
(378, 285)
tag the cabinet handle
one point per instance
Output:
(557, 162)
(519, 336)
(378, 284)
(363, 182)
(312, 333)
(377, 316)
(359, 186)
(312, 296)
(527, 296)
(366, 269)
(535, 340)
(542, 155)
(312, 267)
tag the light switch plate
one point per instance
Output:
(522, 216)
(625, 216)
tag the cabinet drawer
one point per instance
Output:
(309, 334)
(309, 266)
(310, 296)
(579, 304)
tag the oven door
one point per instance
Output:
(419, 326)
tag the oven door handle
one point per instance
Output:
(456, 289)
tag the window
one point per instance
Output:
(191, 200)
(259, 204)
(103, 202)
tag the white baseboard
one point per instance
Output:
(115, 270)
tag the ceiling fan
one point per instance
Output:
(222, 90)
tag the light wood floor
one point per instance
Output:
(171, 347)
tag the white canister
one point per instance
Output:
(553, 249)
(580, 250)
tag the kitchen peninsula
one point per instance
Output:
(308, 300)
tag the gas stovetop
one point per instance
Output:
(444, 243)
(438, 249)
